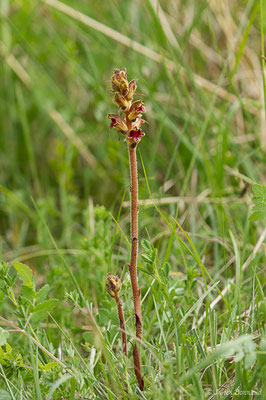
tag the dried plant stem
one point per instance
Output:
(133, 262)
(122, 322)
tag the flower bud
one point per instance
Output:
(124, 87)
(120, 73)
(118, 122)
(113, 284)
(131, 90)
(119, 81)
(120, 100)
(136, 109)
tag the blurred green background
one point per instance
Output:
(56, 66)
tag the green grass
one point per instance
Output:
(64, 192)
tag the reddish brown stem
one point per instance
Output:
(122, 322)
(133, 262)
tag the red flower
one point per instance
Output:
(135, 110)
(118, 122)
(141, 109)
(134, 136)
(113, 122)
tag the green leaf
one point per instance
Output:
(259, 193)
(88, 337)
(239, 356)
(146, 258)
(28, 293)
(259, 210)
(49, 367)
(3, 337)
(105, 315)
(141, 268)
(263, 344)
(146, 244)
(41, 310)
(4, 395)
(24, 272)
(250, 359)
(42, 294)
(8, 348)
(55, 385)
(166, 269)
(257, 215)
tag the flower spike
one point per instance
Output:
(130, 126)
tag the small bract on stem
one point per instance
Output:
(130, 127)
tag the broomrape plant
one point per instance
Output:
(128, 122)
